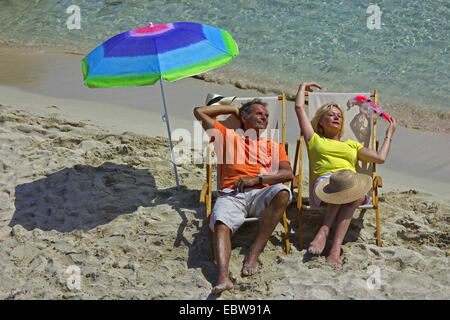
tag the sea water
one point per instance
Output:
(400, 47)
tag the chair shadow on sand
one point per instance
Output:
(82, 197)
(312, 223)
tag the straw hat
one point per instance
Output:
(213, 99)
(343, 187)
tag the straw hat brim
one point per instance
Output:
(361, 186)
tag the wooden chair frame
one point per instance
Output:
(207, 196)
(303, 203)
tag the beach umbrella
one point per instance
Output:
(155, 52)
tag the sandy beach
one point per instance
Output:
(86, 184)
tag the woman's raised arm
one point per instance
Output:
(370, 155)
(305, 124)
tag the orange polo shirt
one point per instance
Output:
(241, 156)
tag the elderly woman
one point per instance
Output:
(327, 155)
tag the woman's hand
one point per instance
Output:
(391, 129)
(379, 157)
(306, 86)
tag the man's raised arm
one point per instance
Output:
(207, 114)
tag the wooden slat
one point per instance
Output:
(317, 208)
(299, 190)
(203, 192)
(295, 182)
(378, 182)
(283, 113)
(209, 180)
(374, 144)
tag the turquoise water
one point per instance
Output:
(281, 42)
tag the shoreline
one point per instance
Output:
(431, 119)
(398, 173)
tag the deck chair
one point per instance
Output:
(360, 127)
(275, 104)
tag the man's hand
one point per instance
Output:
(236, 112)
(207, 114)
(242, 183)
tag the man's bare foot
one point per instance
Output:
(335, 260)
(318, 244)
(250, 267)
(222, 286)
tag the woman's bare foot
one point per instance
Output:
(335, 260)
(226, 284)
(318, 244)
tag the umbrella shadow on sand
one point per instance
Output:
(82, 197)
(85, 197)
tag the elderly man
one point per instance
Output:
(250, 184)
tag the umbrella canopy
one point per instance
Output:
(169, 51)
(164, 51)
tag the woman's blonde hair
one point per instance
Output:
(320, 113)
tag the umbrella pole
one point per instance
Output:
(166, 120)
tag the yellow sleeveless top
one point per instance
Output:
(328, 155)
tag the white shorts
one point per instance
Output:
(232, 207)
(315, 199)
